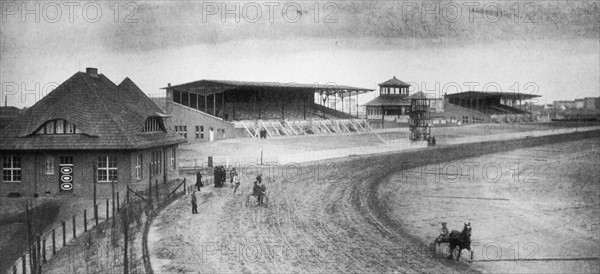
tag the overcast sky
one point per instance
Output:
(548, 48)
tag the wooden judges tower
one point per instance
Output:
(419, 121)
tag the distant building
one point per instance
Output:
(88, 130)
(564, 104)
(392, 102)
(483, 107)
(209, 110)
(579, 103)
(591, 102)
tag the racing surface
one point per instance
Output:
(322, 217)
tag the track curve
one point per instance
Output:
(316, 222)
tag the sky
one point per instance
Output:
(548, 48)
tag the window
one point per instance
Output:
(177, 96)
(11, 169)
(182, 130)
(139, 166)
(107, 168)
(173, 162)
(185, 96)
(153, 124)
(49, 165)
(49, 127)
(58, 126)
(193, 101)
(156, 163)
(202, 132)
(197, 132)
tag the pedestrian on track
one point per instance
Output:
(194, 203)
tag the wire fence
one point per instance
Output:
(105, 240)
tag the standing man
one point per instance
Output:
(236, 182)
(256, 190)
(194, 203)
(232, 174)
(263, 191)
(198, 180)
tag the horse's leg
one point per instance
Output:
(458, 256)
(451, 251)
(471, 251)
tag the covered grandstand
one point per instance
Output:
(477, 106)
(242, 108)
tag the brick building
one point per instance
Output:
(87, 130)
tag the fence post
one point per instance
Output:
(107, 208)
(156, 190)
(64, 225)
(74, 231)
(125, 242)
(95, 194)
(184, 186)
(24, 263)
(150, 192)
(85, 220)
(38, 252)
(53, 241)
(112, 195)
(118, 202)
(44, 251)
(96, 213)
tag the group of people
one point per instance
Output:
(259, 190)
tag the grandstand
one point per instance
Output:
(245, 109)
(477, 107)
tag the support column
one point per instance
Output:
(206, 103)
(214, 104)
(258, 97)
(304, 105)
(357, 105)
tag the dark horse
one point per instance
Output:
(462, 240)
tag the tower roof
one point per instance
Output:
(394, 82)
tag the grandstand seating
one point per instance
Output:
(274, 128)
(250, 111)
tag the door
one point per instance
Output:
(211, 135)
(65, 172)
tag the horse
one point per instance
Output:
(462, 240)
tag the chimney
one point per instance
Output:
(92, 71)
(168, 84)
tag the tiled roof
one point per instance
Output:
(389, 100)
(419, 95)
(109, 117)
(394, 82)
(9, 112)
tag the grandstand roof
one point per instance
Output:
(480, 94)
(218, 86)
(394, 82)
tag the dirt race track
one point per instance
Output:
(352, 215)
